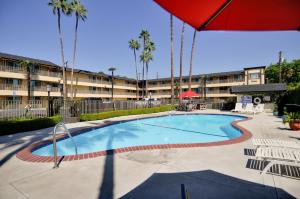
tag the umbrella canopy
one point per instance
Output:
(236, 15)
(188, 94)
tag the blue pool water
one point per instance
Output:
(175, 129)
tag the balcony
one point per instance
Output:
(14, 69)
(222, 81)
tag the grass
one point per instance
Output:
(24, 124)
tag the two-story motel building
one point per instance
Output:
(16, 80)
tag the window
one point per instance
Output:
(238, 77)
(92, 89)
(254, 75)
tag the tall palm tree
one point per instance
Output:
(145, 36)
(135, 45)
(26, 64)
(172, 59)
(204, 81)
(59, 6)
(181, 56)
(112, 69)
(191, 59)
(80, 13)
(150, 47)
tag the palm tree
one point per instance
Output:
(112, 69)
(146, 57)
(135, 45)
(145, 36)
(172, 59)
(26, 64)
(181, 55)
(59, 6)
(80, 13)
(204, 81)
(191, 60)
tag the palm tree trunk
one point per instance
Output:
(74, 56)
(143, 89)
(172, 60)
(63, 63)
(191, 60)
(28, 84)
(181, 54)
(136, 73)
(112, 86)
(146, 82)
(204, 90)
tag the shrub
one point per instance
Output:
(23, 125)
(110, 114)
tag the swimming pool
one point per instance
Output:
(174, 129)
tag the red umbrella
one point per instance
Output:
(240, 15)
(188, 94)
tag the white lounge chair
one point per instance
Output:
(264, 142)
(278, 156)
(249, 108)
(238, 107)
(259, 108)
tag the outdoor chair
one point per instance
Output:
(249, 108)
(259, 108)
(275, 143)
(277, 155)
(238, 107)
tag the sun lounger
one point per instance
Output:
(275, 143)
(238, 107)
(249, 108)
(259, 108)
(278, 156)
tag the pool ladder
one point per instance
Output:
(60, 124)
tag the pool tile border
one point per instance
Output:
(26, 153)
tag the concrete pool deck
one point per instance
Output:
(228, 171)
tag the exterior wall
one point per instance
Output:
(92, 85)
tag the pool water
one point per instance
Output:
(175, 129)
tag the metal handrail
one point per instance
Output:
(61, 124)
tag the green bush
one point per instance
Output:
(23, 125)
(110, 114)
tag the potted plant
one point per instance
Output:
(293, 118)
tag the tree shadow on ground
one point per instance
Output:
(106, 189)
(203, 184)
(24, 139)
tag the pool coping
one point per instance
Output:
(26, 153)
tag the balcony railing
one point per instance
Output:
(224, 81)
(14, 69)
(47, 73)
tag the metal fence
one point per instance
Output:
(12, 109)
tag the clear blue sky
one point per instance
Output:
(28, 28)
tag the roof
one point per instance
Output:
(16, 57)
(256, 67)
(259, 88)
(239, 72)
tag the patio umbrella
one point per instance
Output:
(236, 15)
(188, 94)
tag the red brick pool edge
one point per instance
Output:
(26, 153)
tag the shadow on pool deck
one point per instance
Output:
(203, 184)
(106, 189)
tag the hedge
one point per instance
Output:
(22, 125)
(111, 114)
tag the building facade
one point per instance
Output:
(24, 82)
